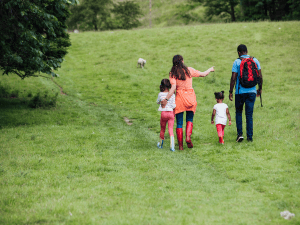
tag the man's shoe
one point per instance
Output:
(239, 138)
(250, 139)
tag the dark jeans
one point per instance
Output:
(249, 100)
(179, 118)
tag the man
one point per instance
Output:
(244, 95)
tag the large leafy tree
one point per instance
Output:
(270, 9)
(126, 15)
(90, 15)
(220, 7)
(294, 10)
(33, 36)
(265, 9)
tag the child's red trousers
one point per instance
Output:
(166, 117)
(220, 129)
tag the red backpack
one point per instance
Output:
(249, 76)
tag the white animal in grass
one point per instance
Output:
(141, 62)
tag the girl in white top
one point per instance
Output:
(167, 113)
(221, 112)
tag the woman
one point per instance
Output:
(181, 80)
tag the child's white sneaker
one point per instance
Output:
(172, 145)
(160, 144)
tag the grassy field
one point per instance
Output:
(172, 12)
(80, 162)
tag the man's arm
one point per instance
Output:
(260, 83)
(228, 115)
(232, 83)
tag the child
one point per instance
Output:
(167, 113)
(220, 110)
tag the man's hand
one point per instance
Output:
(212, 122)
(258, 93)
(229, 122)
(230, 96)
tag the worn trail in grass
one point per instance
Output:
(80, 163)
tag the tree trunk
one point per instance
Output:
(95, 24)
(266, 8)
(232, 12)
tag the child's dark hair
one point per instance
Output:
(219, 95)
(165, 83)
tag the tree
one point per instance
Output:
(33, 36)
(294, 7)
(90, 14)
(270, 9)
(126, 15)
(219, 7)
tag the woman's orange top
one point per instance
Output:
(185, 96)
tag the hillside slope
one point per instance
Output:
(81, 162)
(171, 13)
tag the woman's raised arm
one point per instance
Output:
(204, 74)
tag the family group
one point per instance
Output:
(246, 74)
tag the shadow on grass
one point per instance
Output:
(17, 112)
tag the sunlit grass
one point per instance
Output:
(80, 163)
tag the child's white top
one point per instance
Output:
(171, 103)
(221, 116)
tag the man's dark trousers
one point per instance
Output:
(249, 100)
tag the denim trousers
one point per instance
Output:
(248, 99)
(179, 118)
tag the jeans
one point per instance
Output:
(179, 118)
(249, 100)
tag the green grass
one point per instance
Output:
(80, 163)
(172, 12)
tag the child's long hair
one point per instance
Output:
(165, 83)
(179, 70)
(219, 95)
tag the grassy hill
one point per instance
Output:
(170, 13)
(80, 162)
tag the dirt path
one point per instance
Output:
(61, 89)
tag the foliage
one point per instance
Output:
(104, 15)
(90, 15)
(270, 9)
(220, 7)
(294, 9)
(126, 15)
(43, 100)
(33, 36)
(253, 9)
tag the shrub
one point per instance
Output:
(14, 94)
(4, 92)
(43, 100)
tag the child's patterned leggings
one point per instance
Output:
(166, 116)
(220, 129)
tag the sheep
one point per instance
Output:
(141, 62)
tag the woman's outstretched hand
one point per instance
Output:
(163, 103)
(212, 69)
